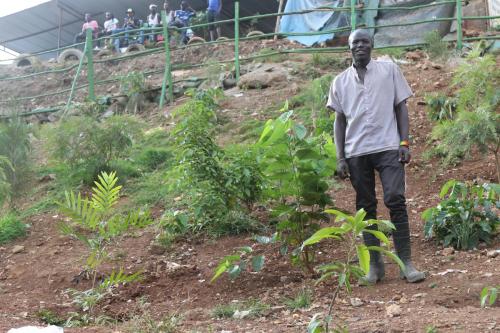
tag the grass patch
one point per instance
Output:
(268, 55)
(302, 300)
(255, 307)
(11, 228)
(328, 61)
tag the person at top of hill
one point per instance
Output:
(130, 22)
(88, 24)
(213, 15)
(154, 20)
(372, 134)
(182, 18)
(111, 23)
(169, 11)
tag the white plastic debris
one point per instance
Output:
(33, 329)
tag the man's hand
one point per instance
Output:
(342, 169)
(404, 155)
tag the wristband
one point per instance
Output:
(405, 143)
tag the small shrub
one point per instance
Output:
(302, 300)
(87, 146)
(441, 107)
(153, 158)
(50, 318)
(11, 228)
(477, 122)
(465, 217)
(5, 188)
(15, 145)
(96, 216)
(144, 322)
(132, 84)
(435, 46)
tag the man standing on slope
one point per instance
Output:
(371, 133)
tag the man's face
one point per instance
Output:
(165, 5)
(108, 16)
(360, 44)
(87, 18)
(130, 14)
(184, 5)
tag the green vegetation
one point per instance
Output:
(11, 228)
(5, 191)
(254, 307)
(331, 62)
(465, 217)
(302, 300)
(310, 106)
(435, 46)
(271, 55)
(441, 107)
(489, 296)
(347, 234)
(82, 147)
(98, 220)
(16, 148)
(476, 124)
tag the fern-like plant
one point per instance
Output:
(96, 216)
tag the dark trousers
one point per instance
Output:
(392, 175)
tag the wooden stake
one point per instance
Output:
(278, 18)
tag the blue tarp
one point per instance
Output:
(314, 21)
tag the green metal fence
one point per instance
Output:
(167, 92)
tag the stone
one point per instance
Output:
(493, 253)
(266, 76)
(414, 55)
(393, 310)
(448, 251)
(17, 249)
(241, 314)
(157, 249)
(356, 302)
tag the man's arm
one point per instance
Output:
(339, 133)
(403, 122)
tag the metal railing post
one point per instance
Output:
(90, 63)
(237, 40)
(353, 15)
(167, 77)
(459, 24)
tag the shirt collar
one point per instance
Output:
(370, 65)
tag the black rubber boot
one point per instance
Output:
(403, 250)
(377, 269)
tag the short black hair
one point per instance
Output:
(364, 31)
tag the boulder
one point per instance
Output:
(263, 77)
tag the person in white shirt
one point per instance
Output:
(154, 20)
(111, 23)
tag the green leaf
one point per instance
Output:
(484, 296)
(380, 235)
(391, 255)
(328, 232)
(364, 257)
(315, 325)
(340, 215)
(257, 263)
(446, 187)
(234, 271)
(246, 249)
(300, 131)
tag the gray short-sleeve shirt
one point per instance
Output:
(369, 107)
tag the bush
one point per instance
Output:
(328, 62)
(465, 217)
(441, 107)
(87, 146)
(477, 122)
(11, 228)
(435, 46)
(5, 192)
(15, 145)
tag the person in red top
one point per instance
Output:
(89, 24)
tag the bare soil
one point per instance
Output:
(38, 277)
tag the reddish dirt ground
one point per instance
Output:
(38, 277)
